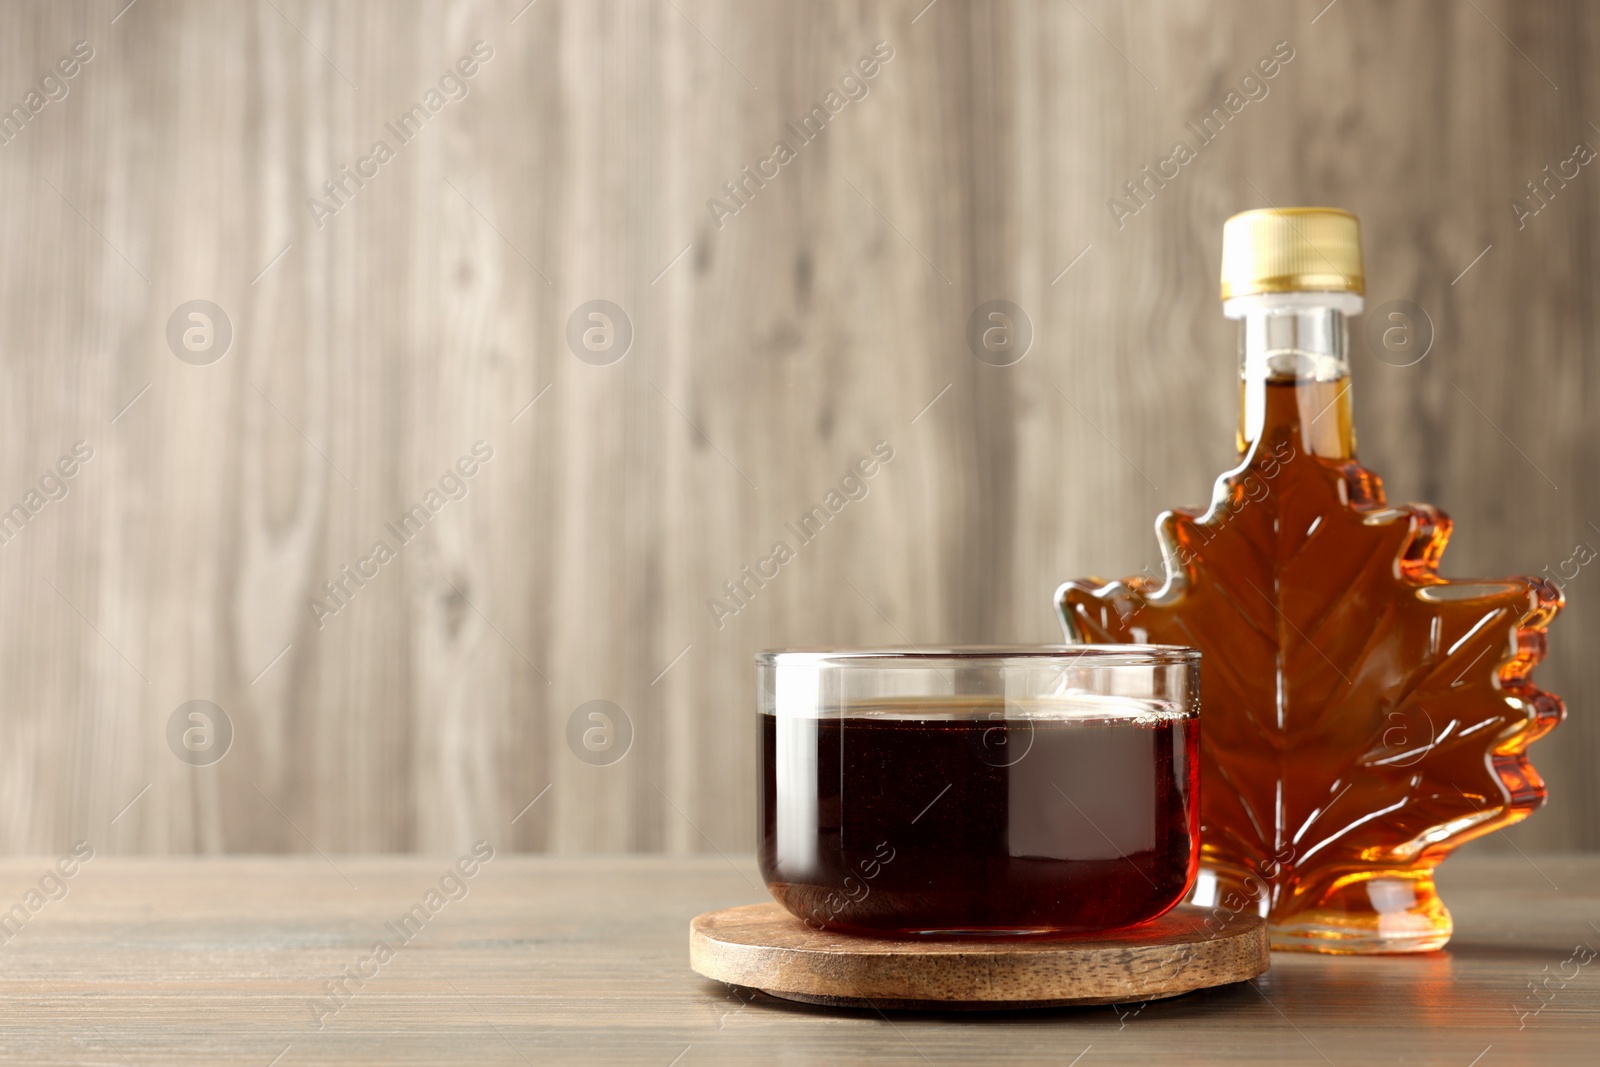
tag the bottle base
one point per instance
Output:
(1400, 913)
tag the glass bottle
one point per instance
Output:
(1362, 716)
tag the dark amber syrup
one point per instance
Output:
(945, 817)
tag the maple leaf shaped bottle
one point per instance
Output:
(1362, 715)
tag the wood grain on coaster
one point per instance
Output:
(764, 947)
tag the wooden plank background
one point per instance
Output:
(374, 345)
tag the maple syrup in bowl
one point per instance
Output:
(982, 792)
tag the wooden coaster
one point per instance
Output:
(763, 947)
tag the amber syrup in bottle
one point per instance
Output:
(1361, 715)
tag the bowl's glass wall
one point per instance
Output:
(983, 792)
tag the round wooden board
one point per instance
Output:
(763, 947)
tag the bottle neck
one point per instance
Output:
(1294, 371)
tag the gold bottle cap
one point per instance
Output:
(1290, 250)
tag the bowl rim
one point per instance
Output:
(890, 657)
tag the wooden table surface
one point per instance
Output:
(550, 959)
